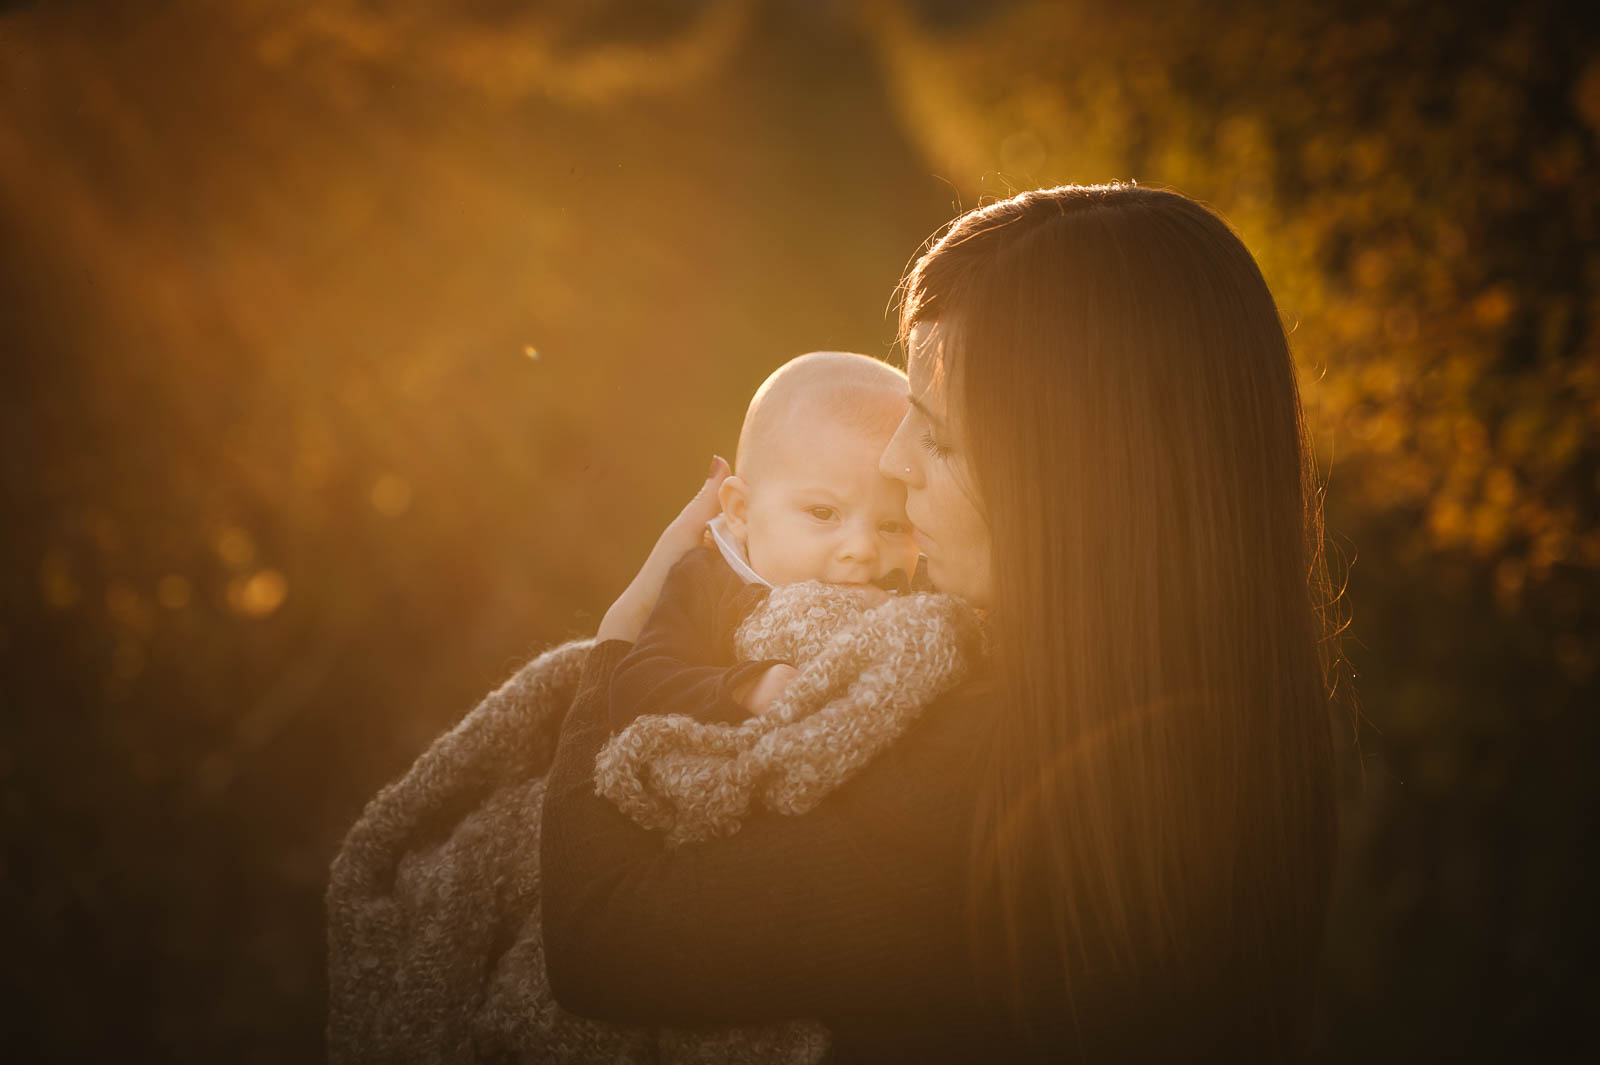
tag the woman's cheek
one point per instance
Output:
(906, 553)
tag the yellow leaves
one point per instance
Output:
(1550, 547)
(1382, 379)
(1377, 206)
(1494, 306)
(511, 59)
(1242, 141)
(1354, 323)
(1499, 487)
(1371, 268)
(1405, 481)
(1586, 95)
(1487, 529)
(1558, 163)
(1555, 328)
(1450, 240)
(1488, 101)
(1447, 521)
(1381, 430)
(1400, 325)
(1368, 157)
(1510, 575)
(1318, 156)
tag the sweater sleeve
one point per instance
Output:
(852, 910)
(680, 664)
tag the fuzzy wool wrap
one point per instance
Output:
(864, 676)
(434, 947)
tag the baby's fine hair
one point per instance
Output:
(856, 391)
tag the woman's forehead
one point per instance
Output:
(926, 362)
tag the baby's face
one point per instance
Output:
(823, 512)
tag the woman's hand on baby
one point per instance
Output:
(627, 615)
(757, 696)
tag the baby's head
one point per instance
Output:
(806, 498)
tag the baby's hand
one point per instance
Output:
(759, 696)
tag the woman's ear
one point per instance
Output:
(734, 495)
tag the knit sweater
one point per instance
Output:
(864, 677)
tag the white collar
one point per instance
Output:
(732, 553)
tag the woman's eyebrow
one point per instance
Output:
(926, 411)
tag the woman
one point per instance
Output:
(1117, 846)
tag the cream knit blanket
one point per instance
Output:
(864, 676)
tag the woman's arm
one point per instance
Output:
(851, 910)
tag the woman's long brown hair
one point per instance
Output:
(1160, 793)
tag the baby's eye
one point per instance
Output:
(821, 513)
(893, 528)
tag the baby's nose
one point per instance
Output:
(859, 544)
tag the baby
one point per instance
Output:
(835, 670)
(701, 743)
(806, 502)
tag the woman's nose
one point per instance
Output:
(896, 462)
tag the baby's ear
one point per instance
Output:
(734, 495)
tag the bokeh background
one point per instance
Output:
(355, 352)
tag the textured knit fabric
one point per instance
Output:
(408, 938)
(864, 676)
(434, 952)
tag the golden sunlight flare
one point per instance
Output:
(391, 495)
(235, 547)
(173, 591)
(57, 585)
(259, 594)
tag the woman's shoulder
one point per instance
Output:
(957, 724)
(928, 779)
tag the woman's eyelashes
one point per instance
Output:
(932, 446)
(822, 513)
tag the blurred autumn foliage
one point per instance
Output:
(355, 354)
